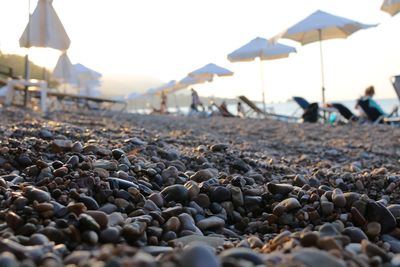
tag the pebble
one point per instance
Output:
(311, 257)
(198, 255)
(212, 222)
(145, 190)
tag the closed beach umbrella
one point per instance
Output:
(321, 26)
(45, 29)
(262, 49)
(209, 70)
(64, 70)
(391, 6)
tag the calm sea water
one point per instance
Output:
(292, 109)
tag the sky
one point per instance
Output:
(140, 44)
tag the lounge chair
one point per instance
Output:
(253, 107)
(222, 111)
(311, 111)
(301, 102)
(270, 114)
(396, 85)
(375, 116)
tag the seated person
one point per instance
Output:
(224, 110)
(311, 113)
(370, 109)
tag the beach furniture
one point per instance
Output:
(39, 89)
(253, 107)
(260, 113)
(375, 116)
(301, 102)
(223, 111)
(310, 110)
(344, 111)
(396, 85)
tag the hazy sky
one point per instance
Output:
(161, 40)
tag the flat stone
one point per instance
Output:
(209, 240)
(211, 223)
(311, 257)
(242, 253)
(198, 255)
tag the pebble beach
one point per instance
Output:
(141, 190)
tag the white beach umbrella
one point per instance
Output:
(168, 87)
(209, 70)
(64, 70)
(45, 29)
(391, 6)
(134, 96)
(321, 26)
(188, 81)
(264, 50)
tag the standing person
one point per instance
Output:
(163, 106)
(240, 111)
(196, 101)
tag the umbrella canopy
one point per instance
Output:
(209, 70)
(188, 81)
(45, 29)
(64, 70)
(264, 50)
(320, 26)
(168, 87)
(260, 48)
(134, 96)
(391, 6)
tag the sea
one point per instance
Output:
(289, 108)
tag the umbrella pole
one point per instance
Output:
(262, 87)
(322, 67)
(27, 66)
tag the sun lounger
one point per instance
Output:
(301, 102)
(81, 100)
(253, 106)
(222, 111)
(312, 111)
(375, 116)
(259, 112)
(396, 85)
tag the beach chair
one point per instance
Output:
(223, 112)
(396, 85)
(301, 102)
(311, 111)
(253, 106)
(377, 117)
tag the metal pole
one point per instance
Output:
(322, 66)
(262, 86)
(27, 67)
